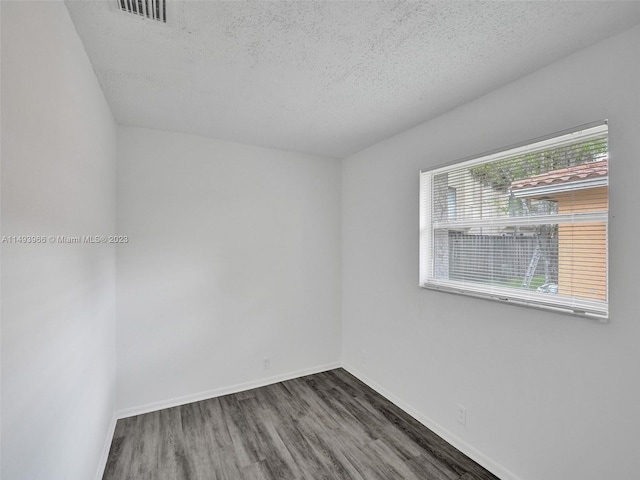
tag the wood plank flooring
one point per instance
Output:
(323, 426)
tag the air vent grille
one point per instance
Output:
(153, 9)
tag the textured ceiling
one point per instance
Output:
(324, 77)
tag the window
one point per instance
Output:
(452, 203)
(527, 225)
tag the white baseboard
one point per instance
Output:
(218, 392)
(105, 450)
(450, 438)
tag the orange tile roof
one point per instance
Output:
(565, 175)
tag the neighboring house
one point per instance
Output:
(582, 247)
(468, 199)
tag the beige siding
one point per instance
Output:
(582, 248)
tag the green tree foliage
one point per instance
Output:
(499, 175)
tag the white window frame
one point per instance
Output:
(583, 307)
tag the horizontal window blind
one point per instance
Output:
(527, 225)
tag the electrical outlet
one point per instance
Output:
(266, 363)
(462, 414)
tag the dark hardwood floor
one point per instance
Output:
(324, 426)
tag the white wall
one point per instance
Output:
(234, 256)
(58, 315)
(549, 396)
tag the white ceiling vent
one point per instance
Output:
(153, 9)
